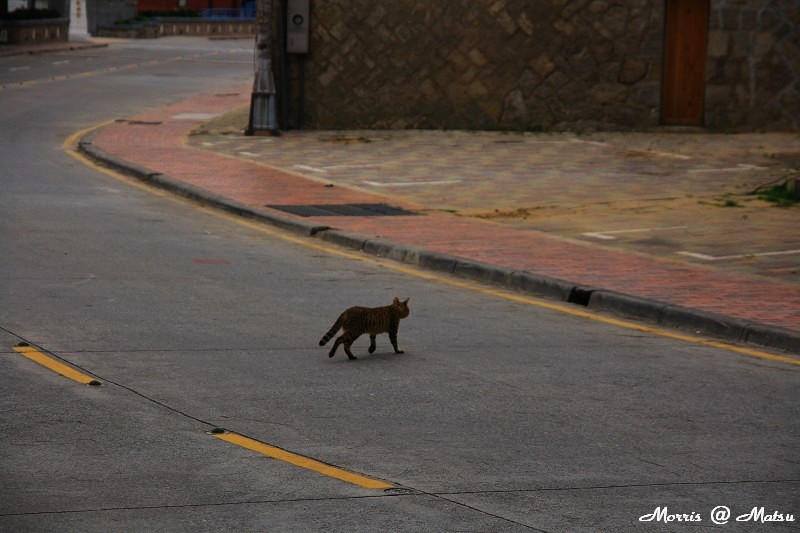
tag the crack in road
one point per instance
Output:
(621, 486)
(267, 501)
(200, 505)
(412, 494)
(447, 496)
(106, 380)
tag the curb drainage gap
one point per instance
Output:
(580, 296)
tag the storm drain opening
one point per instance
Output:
(343, 210)
(580, 296)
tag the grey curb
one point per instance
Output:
(522, 281)
(343, 238)
(623, 304)
(398, 252)
(552, 288)
(191, 192)
(772, 336)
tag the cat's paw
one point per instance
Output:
(399, 351)
(371, 349)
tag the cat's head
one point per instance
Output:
(402, 306)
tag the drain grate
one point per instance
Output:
(343, 210)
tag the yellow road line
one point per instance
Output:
(55, 366)
(70, 146)
(303, 462)
(70, 143)
(520, 298)
(416, 272)
(89, 73)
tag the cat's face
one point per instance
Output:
(402, 306)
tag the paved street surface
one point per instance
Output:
(627, 228)
(504, 414)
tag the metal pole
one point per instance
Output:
(262, 102)
(282, 67)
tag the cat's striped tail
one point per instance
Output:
(328, 336)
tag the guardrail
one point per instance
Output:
(229, 13)
(162, 27)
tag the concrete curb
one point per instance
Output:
(598, 299)
(191, 192)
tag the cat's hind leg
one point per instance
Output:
(348, 338)
(347, 350)
(336, 344)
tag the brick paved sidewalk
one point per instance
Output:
(156, 140)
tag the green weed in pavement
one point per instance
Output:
(781, 195)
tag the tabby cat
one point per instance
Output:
(373, 320)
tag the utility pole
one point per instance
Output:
(262, 102)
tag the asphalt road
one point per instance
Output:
(501, 416)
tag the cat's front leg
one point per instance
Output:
(372, 345)
(393, 338)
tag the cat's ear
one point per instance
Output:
(396, 300)
(406, 302)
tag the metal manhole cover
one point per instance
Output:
(343, 210)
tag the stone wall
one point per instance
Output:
(753, 69)
(33, 31)
(128, 31)
(537, 64)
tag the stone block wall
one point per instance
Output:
(128, 31)
(33, 31)
(753, 68)
(534, 65)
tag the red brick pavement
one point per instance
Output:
(161, 148)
